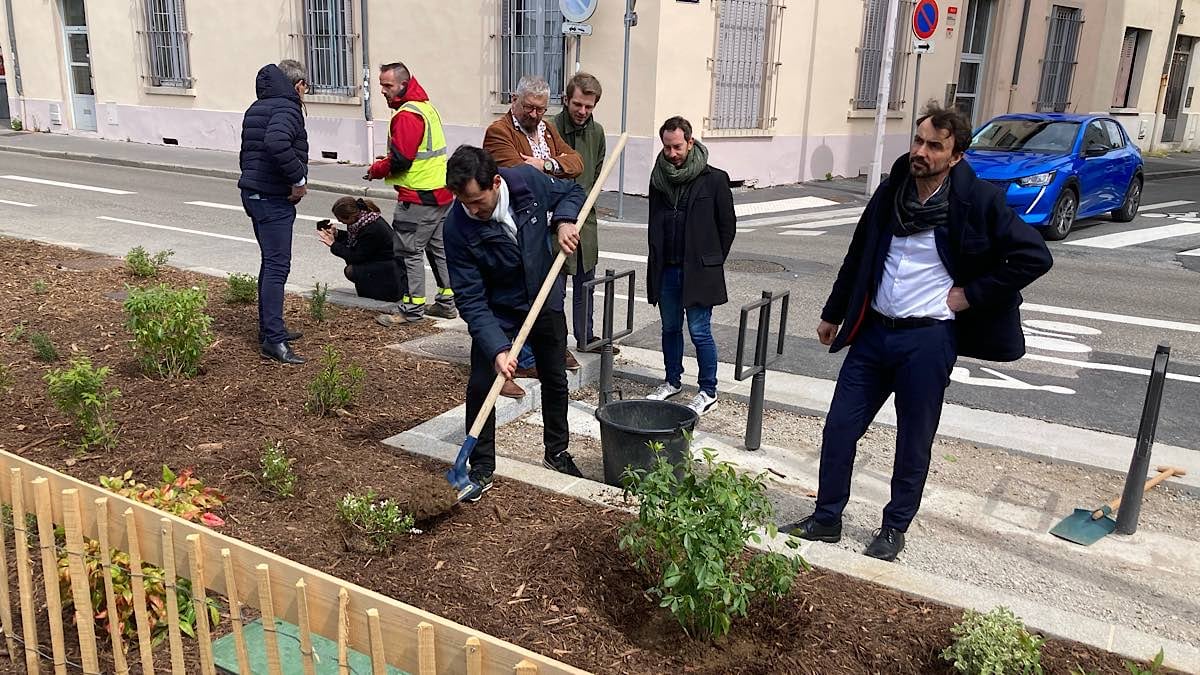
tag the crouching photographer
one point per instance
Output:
(367, 247)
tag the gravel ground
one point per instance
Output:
(984, 520)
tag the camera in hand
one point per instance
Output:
(323, 224)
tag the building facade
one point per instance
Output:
(780, 90)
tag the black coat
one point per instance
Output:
(987, 250)
(375, 270)
(274, 154)
(708, 236)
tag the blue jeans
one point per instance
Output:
(699, 319)
(273, 219)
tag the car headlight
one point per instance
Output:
(1036, 180)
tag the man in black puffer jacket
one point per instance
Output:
(274, 162)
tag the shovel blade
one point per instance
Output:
(1079, 528)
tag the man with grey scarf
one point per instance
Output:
(934, 272)
(692, 225)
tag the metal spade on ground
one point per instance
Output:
(1086, 526)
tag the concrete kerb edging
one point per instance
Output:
(207, 172)
(428, 440)
(1171, 173)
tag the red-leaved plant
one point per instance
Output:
(180, 494)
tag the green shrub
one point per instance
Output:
(180, 494)
(318, 304)
(40, 287)
(380, 521)
(14, 336)
(1155, 666)
(43, 348)
(277, 472)
(691, 533)
(15, 124)
(242, 289)
(170, 329)
(144, 265)
(79, 392)
(995, 643)
(333, 388)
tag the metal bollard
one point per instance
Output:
(1135, 482)
(607, 337)
(758, 386)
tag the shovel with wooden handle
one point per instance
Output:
(457, 475)
(1087, 526)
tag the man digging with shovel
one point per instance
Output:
(500, 245)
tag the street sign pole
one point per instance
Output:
(885, 91)
(630, 22)
(916, 93)
(924, 26)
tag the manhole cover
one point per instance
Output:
(752, 266)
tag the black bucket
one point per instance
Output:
(626, 427)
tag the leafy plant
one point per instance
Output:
(40, 287)
(333, 388)
(15, 124)
(14, 336)
(144, 265)
(6, 379)
(242, 289)
(182, 495)
(277, 471)
(318, 304)
(153, 579)
(380, 521)
(170, 329)
(995, 643)
(691, 534)
(79, 392)
(1155, 666)
(43, 348)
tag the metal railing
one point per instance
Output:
(607, 336)
(758, 386)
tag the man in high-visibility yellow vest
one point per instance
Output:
(416, 166)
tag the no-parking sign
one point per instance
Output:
(925, 19)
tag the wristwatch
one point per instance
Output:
(548, 166)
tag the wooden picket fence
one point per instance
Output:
(356, 618)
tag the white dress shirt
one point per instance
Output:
(915, 282)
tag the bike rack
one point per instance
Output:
(758, 371)
(607, 337)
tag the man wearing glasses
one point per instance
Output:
(522, 136)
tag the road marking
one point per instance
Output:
(1195, 251)
(780, 205)
(1142, 236)
(74, 186)
(746, 230)
(819, 224)
(627, 257)
(177, 229)
(770, 221)
(1113, 318)
(1107, 366)
(232, 207)
(1162, 205)
(802, 233)
(5, 201)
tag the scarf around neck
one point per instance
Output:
(672, 181)
(913, 217)
(354, 229)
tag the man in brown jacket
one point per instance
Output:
(522, 136)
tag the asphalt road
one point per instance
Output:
(1092, 323)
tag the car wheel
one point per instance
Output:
(1062, 218)
(1133, 199)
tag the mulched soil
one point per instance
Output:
(530, 567)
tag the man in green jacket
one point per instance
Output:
(585, 135)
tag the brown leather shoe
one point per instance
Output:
(512, 390)
(531, 372)
(572, 364)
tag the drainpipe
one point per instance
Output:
(16, 63)
(1166, 74)
(366, 82)
(1016, 76)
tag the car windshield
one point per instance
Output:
(1020, 135)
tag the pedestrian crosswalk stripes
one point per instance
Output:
(1163, 205)
(781, 205)
(1141, 236)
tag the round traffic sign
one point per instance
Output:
(925, 19)
(577, 11)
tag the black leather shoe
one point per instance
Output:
(887, 544)
(281, 352)
(810, 529)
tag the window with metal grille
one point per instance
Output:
(167, 44)
(1058, 68)
(745, 66)
(870, 54)
(531, 43)
(329, 47)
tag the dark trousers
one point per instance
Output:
(548, 340)
(915, 365)
(581, 320)
(273, 218)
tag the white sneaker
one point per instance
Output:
(664, 391)
(702, 403)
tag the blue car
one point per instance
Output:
(1055, 168)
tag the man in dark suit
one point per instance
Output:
(503, 231)
(934, 271)
(692, 226)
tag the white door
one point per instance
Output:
(79, 64)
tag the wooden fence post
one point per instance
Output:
(110, 603)
(5, 600)
(378, 658)
(474, 657)
(306, 647)
(200, 604)
(170, 581)
(81, 587)
(267, 606)
(343, 636)
(45, 519)
(235, 611)
(138, 580)
(426, 651)
(33, 660)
